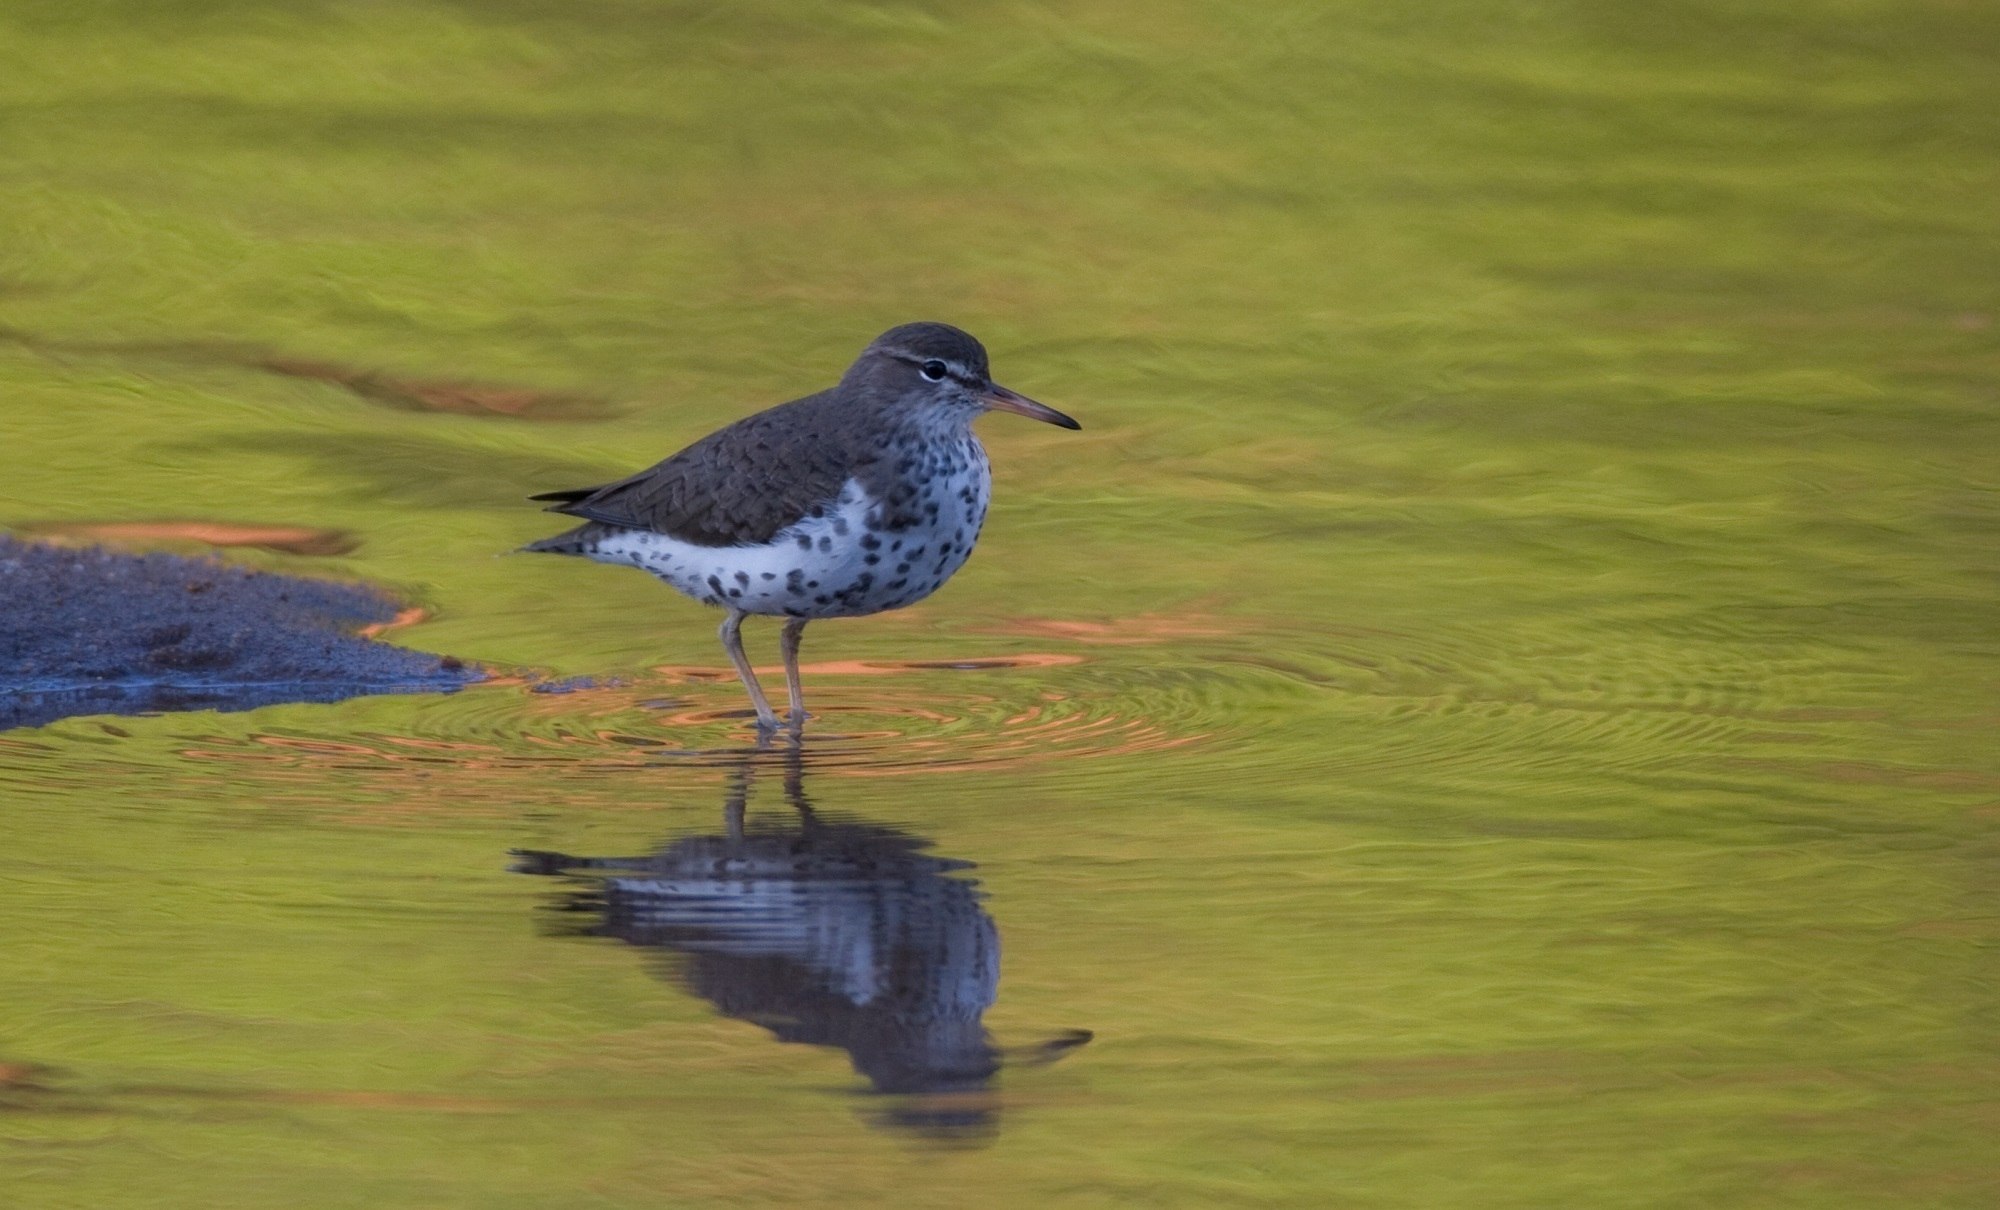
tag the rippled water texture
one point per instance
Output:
(1495, 708)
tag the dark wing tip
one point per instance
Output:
(568, 495)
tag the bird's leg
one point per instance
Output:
(732, 642)
(795, 784)
(788, 642)
(736, 805)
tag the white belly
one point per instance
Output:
(843, 564)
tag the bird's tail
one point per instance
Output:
(570, 542)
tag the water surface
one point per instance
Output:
(1494, 709)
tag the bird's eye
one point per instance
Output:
(933, 370)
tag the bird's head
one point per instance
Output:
(939, 369)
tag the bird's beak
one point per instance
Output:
(1001, 399)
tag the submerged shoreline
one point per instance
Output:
(85, 630)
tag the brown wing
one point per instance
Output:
(737, 486)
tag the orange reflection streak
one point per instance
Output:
(884, 667)
(437, 395)
(1138, 629)
(455, 396)
(286, 539)
(405, 617)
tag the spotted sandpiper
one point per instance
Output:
(861, 498)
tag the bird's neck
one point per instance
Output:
(936, 425)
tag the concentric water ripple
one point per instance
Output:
(1482, 703)
(870, 718)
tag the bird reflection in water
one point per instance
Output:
(829, 932)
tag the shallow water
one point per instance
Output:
(1494, 709)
